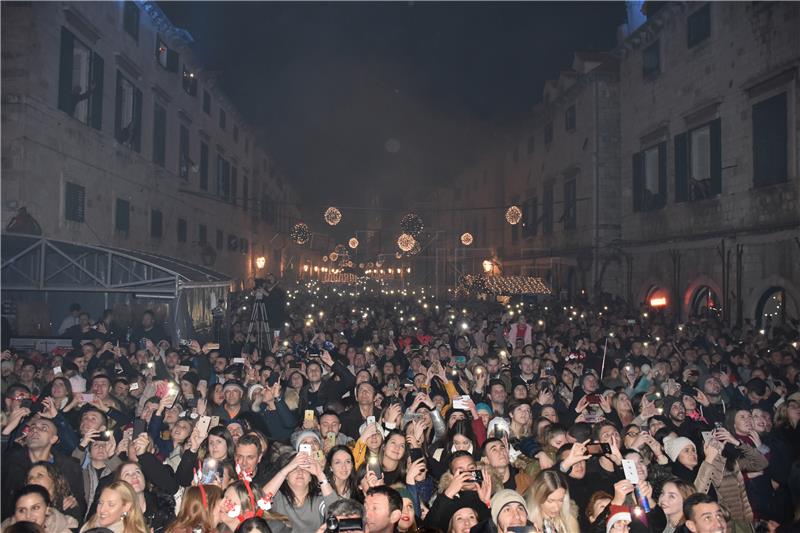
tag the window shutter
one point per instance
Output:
(203, 166)
(662, 174)
(770, 155)
(65, 72)
(716, 157)
(137, 120)
(638, 178)
(118, 109)
(75, 198)
(172, 60)
(234, 184)
(682, 167)
(96, 99)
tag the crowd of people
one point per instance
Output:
(408, 414)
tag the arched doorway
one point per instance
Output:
(705, 303)
(771, 308)
(657, 297)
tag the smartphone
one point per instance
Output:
(182, 368)
(707, 436)
(211, 471)
(309, 415)
(213, 345)
(273, 378)
(56, 370)
(214, 421)
(593, 398)
(134, 386)
(460, 403)
(374, 465)
(415, 454)
(305, 448)
(105, 435)
(87, 397)
(331, 438)
(238, 361)
(370, 420)
(477, 476)
(203, 425)
(139, 427)
(598, 448)
(521, 529)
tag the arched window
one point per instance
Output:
(706, 303)
(771, 307)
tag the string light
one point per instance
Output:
(466, 239)
(333, 216)
(353, 243)
(300, 233)
(412, 224)
(406, 242)
(324, 258)
(417, 248)
(333, 256)
(513, 215)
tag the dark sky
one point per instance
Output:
(353, 96)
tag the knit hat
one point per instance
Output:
(669, 401)
(616, 514)
(233, 384)
(192, 378)
(484, 407)
(503, 498)
(674, 446)
(254, 389)
(300, 436)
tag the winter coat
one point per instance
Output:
(54, 522)
(729, 484)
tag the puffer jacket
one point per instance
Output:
(729, 484)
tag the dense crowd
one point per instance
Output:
(406, 413)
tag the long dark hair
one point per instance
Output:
(222, 432)
(48, 389)
(352, 481)
(286, 490)
(60, 485)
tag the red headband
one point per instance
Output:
(203, 495)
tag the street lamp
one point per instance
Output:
(487, 265)
(261, 262)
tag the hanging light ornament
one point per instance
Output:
(333, 216)
(378, 264)
(411, 224)
(466, 239)
(513, 215)
(405, 242)
(300, 233)
(398, 255)
(333, 256)
(353, 243)
(341, 249)
(349, 264)
(361, 265)
(324, 258)
(417, 248)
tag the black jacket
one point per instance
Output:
(17, 462)
(330, 389)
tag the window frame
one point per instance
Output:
(128, 9)
(94, 92)
(78, 214)
(122, 216)
(159, 134)
(570, 118)
(702, 14)
(784, 94)
(156, 224)
(650, 72)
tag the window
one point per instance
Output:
(122, 216)
(530, 220)
(189, 82)
(548, 133)
(650, 178)
(245, 192)
(223, 178)
(570, 205)
(569, 118)
(80, 81)
(235, 133)
(651, 60)
(547, 209)
(128, 114)
(234, 184)
(206, 103)
(698, 25)
(181, 230)
(244, 246)
(698, 163)
(531, 143)
(203, 166)
(220, 239)
(156, 224)
(130, 19)
(183, 153)
(770, 141)
(74, 202)
(159, 135)
(202, 234)
(222, 119)
(168, 59)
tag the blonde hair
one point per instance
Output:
(133, 521)
(546, 483)
(196, 510)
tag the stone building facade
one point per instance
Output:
(709, 152)
(114, 134)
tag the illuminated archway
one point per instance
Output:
(657, 297)
(705, 302)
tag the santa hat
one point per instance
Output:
(616, 514)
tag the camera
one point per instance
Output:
(477, 476)
(334, 524)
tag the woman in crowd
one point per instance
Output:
(47, 475)
(118, 511)
(32, 504)
(340, 471)
(299, 490)
(200, 510)
(549, 504)
(674, 492)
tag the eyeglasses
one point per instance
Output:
(633, 433)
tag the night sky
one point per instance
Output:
(350, 97)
